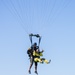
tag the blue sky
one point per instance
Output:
(54, 20)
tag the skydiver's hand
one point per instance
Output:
(42, 51)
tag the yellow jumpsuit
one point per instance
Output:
(38, 59)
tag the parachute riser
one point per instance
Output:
(35, 35)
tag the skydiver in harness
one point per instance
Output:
(34, 54)
(37, 58)
(30, 51)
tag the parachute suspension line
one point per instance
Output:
(35, 35)
(26, 12)
(30, 36)
(7, 7)
(27, 9)
(39, 41)
(31, 16)
(18, 2)
(42, 8)
(53, 6)
(65, 5)
(16, 12)
(20, 7)
(54, 13)
(10, 10)
(45, 3)
(59, 12)
(23, 4)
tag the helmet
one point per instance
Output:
(35, 43)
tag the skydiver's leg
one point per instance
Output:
(36, 67)
(46, 61)
(37, 60)
(31, 63)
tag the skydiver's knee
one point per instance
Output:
(36, 59)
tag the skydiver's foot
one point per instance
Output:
(41, 62)
(29, 72)
(36, 72)
(49, 61)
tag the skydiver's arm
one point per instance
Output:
(40, 51)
